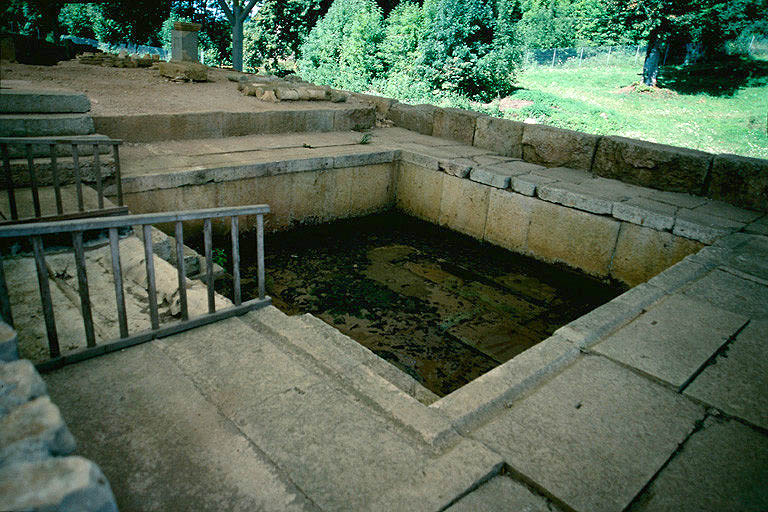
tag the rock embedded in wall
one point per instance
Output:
(740, 180)
(556, 147)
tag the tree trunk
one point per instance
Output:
(652, 59)
(237, 44)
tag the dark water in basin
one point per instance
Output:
(439, 305)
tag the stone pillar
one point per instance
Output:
(184, 41)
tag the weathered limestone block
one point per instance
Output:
(419, 191)
(360, 190)
(193, 71)
(509, 216)
(455, 124)
(19, 383)
(581, 240)
(9, 348)
(61, 484)
(184, 41)
(352, 118)
(652, 165)
(501, 136)
(642, 253)
(556, 147)
(33, 431)
(459, 167)
(740, 181)
(417, 118)
(646, 212)
(703, 227)
(286, 94)
(464, 206)
(382, 104)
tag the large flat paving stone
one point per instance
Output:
(732, 293)
(736, 381)
(672, 340)
(721, 468)
(502, 493)
(160, 443)
(594, 435)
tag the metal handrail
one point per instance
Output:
(77, 227)
(52, 142)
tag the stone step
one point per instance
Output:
(65, 167)
(25, 101)
(45, 125)
(337, 350)
(380, 366)
(62, 150)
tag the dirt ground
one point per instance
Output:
(143, 90)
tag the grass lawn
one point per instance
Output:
(720, 110)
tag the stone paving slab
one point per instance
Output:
(503, 493)
(736, 381)
(672, 340)
(160, 443)
(720, 468)
(593, 435)
(731, 293)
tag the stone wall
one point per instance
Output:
(738, 180)
(37, 468)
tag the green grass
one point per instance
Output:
(717, 110)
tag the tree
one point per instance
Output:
(237, 14)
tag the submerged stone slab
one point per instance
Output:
(672, 340)
(735, 382)
(651, 165)
(593, 435)
(501, 136)
(554, 147)
(720, 468)
(502, 493)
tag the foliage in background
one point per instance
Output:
(342, 49)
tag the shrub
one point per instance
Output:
(342, 49)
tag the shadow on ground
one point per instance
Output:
(722, 78)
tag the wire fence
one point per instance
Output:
(133, 49)
(754, 46)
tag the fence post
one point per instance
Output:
(607, 62)
(581, 54)
(637, 53)
(554, 54)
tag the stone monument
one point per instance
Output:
(184, 42)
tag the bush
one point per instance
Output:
(403, 32)
(342, 49)
(461, 53)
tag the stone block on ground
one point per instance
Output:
(672, 340)
(417, 118)
(45, 125)
(193, 71)
(33, 431)
(455, 124)
(22, 101)
(501, 136)
(720, 468)
(62, 484)
(741, 181)
(556, 147)
(735, 382)
(502, 493)
(652, 165)
(593, 435)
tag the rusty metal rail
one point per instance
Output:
(76, 228)
(34, 182)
